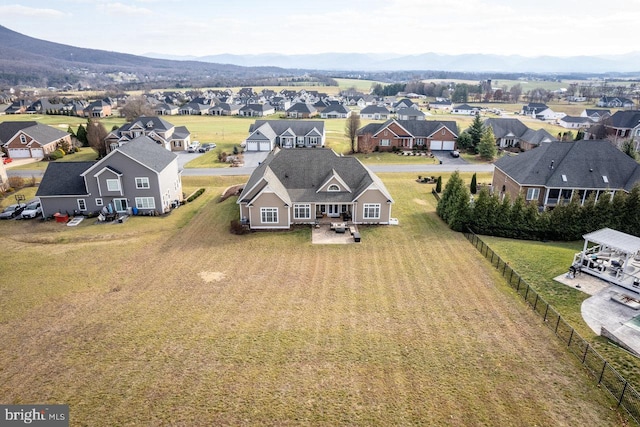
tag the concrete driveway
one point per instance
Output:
(184, 157)
(446, 158)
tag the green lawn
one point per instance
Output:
(538, 263)
(174, 321)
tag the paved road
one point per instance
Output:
(247, 170)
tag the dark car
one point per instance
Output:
(12, 211)
(206, 147)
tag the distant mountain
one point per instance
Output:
(432, 61)
(30, 61)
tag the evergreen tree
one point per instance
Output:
(618, 207)
(531, 221)
(631, 215)
(465, 142)
(588, 214)
(473, 188)
(628, 148)
(453, 206)
(516, 217)
(81, 134)
(475, 131)
(69, 130)
(504, 217)
(487, 147)
(439, 185)
(480, 218)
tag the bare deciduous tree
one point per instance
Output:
(365, 144)
(351, 129)
(135, 107)
(96, 133)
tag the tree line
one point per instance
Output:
(489, 215)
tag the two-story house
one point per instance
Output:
(158, 129)
(264, 135)
(138, 176)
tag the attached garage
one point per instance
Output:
(448, 145)
(436, 145)
(265, 146)
(19, 153)
(252, 145)
(37, 153)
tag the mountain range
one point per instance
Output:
(629, 63)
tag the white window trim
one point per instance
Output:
(82, 204)
(117, 181)
(333, 187)
(266, 211)
(385, 142)
(533, 193)
(141, 181)
(145, 202)
(99, 202)
(306, 210)
(367, 207)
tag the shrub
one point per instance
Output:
(238, 228)
(16, 182)
(57, 154)
(195, 195)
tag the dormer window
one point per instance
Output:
(333, 187)
(149, 124)
(23, 139)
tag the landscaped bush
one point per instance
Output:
(16, 182)
(491, 216)
(57, 154)
(195, 195)
(238, 228)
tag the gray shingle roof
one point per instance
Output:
(301, 171)
(625, 119)
(301, 107)
(583, 163)
(416, 128)
(9, 129)
(146, 151)
(373, 109)
(44, 134)
(64, 179)
(504, 126)
(299, 127)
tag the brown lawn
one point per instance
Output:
(173, 321)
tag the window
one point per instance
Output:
(142, 182)
(333, 187)
(82, 205)
(302, 211)
(269, 215)
(113, 185)
(145, 203)
(98, 202)
(313, 140)
(23, 139)
(605, 179)
(533, 193)
(384, 143)
(420, 141)
(301, 140)
(371, 211)
(564, 178)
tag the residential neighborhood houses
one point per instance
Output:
(389, 124)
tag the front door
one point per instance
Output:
(120, 205)
(334, 211)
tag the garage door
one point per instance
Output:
(37, 153)
(252, 146)
(19, 153)
(436, 145)
(448, 145)
(265, 146)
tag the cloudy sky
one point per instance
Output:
(207, 27)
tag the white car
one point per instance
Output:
(32, 210)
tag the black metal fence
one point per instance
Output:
(606, 376)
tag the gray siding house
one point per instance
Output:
(301, 186)
(140, 175)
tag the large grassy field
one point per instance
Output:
(174, 321)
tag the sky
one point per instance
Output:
(208, 27)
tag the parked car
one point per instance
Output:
(11, 211)
(193, 147)
(6, 160)
(206, 147)
(455, 153)
(32, 210)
